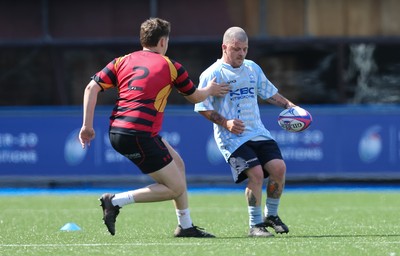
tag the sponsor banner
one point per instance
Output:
(341, 142)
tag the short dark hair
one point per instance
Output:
(152, 30)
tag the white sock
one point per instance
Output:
(184, 219)
(123, 198)
(255, 215)
(271, 207)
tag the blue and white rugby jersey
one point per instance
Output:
(247, 82)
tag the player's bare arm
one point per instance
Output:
(280, 101)
(87, 132)
(235, 126)
(212, 89)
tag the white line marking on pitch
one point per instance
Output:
(105, 244)
(143, 244)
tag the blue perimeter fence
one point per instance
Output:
(39, 147)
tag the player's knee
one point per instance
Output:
(255, 175)
(278, 173)
(276, 168)
(177, 191)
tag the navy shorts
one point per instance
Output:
(148, 153)
(250, 154)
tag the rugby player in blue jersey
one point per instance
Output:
(242, 138)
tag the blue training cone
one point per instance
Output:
(70, 227)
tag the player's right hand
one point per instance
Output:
(86, 135)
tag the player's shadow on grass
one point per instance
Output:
(337, 236)
(278, 236)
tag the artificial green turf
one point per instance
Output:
(338, 223)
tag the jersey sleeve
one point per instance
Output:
(183, 83)
(107, 78)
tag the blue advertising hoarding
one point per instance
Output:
(343, 141)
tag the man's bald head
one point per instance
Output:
(233, 34)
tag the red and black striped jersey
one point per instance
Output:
(144, 80)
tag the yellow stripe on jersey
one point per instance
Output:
(161, 99)
(105, 86)
(172, 69)
(118, 60)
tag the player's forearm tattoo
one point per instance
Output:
(274, 190)
(279, 100)
(216, 118)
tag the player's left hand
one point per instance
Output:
(235, 126)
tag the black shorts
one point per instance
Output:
(250, 154)
(148, 153)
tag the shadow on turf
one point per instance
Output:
(313, 236)
(336, 236)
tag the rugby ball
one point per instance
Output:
(294, 119)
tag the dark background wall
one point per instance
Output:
(315, 51)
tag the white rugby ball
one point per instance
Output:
(295, 119)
